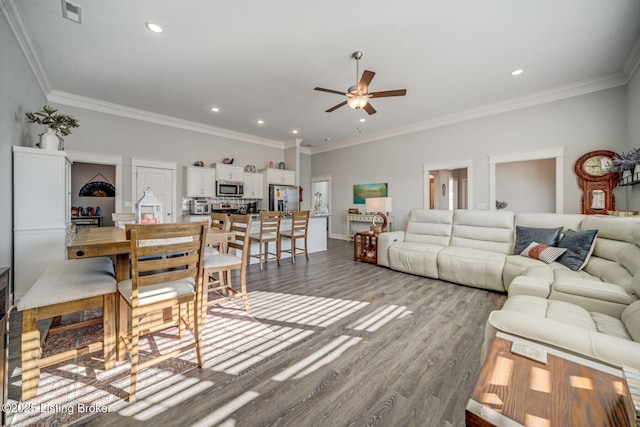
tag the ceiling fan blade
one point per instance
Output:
(399, 92)
(329, 90)
(369, 109)
(335, 107)
(366, 78)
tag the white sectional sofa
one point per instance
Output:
(586, 301)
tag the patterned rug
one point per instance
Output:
(72, 390)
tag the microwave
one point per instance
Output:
(229, 188)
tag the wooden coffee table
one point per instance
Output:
(513, 390)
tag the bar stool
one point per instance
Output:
(269, 233)
(221, 222)
(299, 227)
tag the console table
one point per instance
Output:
(513, 390)
(351, 218)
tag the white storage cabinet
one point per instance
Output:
(200, 182)
(253, 186)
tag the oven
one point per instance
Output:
(229, 189)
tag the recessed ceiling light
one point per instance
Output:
(363, 120)
(260, 122)
(215, 109)
(154, 27)
(295, 131)
(327, 139)
(517, 72)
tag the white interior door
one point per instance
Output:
(161, 181)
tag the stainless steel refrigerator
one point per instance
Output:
(283, 198)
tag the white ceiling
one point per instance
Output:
(257, 59)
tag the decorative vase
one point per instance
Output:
(626, 176)
(636, 173)
(49, 140)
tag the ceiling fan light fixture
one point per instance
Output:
(358, 101)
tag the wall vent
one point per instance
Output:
(71, 11)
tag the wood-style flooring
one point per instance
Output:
(375, 347)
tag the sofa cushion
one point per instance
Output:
(631, 319)
(556, 310)
(526, 235)
(487, 230)
(415, 258)
(429, 226)
(579, 246)
(544, 253)
(472, 267)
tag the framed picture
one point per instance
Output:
(365, 191)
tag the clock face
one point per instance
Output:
(597, 165)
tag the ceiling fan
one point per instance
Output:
(357, 95)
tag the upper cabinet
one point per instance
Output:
(281, 176)
(253, 186)
(200, 182)
(226, 172)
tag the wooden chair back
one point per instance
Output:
(120, 219)
(299, 223)
(270, 222)
(240, 225)
(220, 221)
(163, 253)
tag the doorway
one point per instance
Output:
(161, 178)
(448, 186)
(321, 200)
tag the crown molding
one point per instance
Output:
(583, 87)
(632, 63)
(161, 119)
(12, 11)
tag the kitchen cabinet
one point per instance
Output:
(226, 172)
(253, 186)
(41, 213)
(200, 182)
(281, 176)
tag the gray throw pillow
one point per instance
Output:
(579, 246)
(527, 235)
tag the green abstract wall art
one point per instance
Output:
(365, 191)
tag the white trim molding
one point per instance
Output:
(160, 119)
(427, 168)
(103, 159)
(555, 94)
(557, 153)
(13, 12)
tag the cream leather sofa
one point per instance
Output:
(593, 311)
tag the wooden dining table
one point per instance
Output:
(112, 241)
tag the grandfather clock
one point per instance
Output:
(597, 181)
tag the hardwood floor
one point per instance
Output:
(375, 347)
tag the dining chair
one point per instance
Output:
(166, 274)
(221, 222)
(268, 233)
(298, 231)
(222, 265)
(121, 218)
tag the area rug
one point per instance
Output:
(81, 387)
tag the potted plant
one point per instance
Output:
(625, 163)
(58, 125)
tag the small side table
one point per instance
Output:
(365, 247)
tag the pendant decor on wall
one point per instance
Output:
(95, 188)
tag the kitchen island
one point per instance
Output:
(316, 234)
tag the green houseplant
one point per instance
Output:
(58, 125)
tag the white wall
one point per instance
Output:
(527, 186)
(583, 123)
(102, 133)
(19, 93)
(632, 194)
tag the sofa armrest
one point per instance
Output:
(605, 348)
(530, 285)
(593, 289)
(385, 240)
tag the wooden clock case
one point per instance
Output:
(597, 190)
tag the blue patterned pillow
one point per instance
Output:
(527, 235)
(579, 246)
